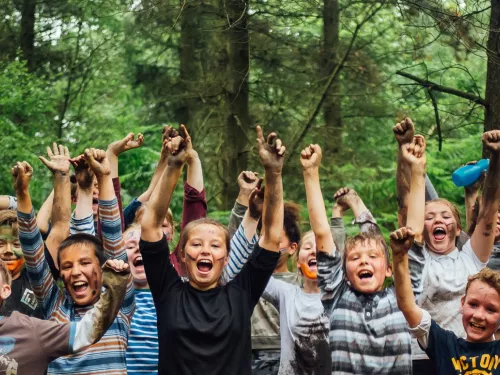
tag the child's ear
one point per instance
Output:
(462, 302)
(293, 248)
(5, 292)
(388, 271)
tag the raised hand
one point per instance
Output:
(345, 197)
(117, 265)
(310, 157)
(83, 174)
(98, 162)
(248, 181)
(178, 147)
(491, 140)
(404, 131)
(256, 201)
(414, 152)
(58, 159)
(474, 188)
(125, 144)
(22, 173)
(271, 151)
(401, 240)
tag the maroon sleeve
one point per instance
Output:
(194, 207)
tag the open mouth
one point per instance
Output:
(204, 265)
(365, 275)
(312, 263)
(138, 262)
(80, 287)
(439, 233)
(477, 326)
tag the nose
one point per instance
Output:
(8, 252)
(75, 270)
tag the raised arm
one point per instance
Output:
(58, 163)
(337, 226)
(247, 182)
(118, 147)
(404, 132)
(8, 202)
(348, 198)
(271, 152)
(82, 219)
(310, 159)
(159, 202)
(414, 156)
(401, 241)
(484, 235)
(471, 194)
(43, 216)
(41, 280)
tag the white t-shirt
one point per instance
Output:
(442, 283)
(304, 329)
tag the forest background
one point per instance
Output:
(339, 73)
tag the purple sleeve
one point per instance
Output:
(194, 207)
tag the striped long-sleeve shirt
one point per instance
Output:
(108, 355)
(142, 350)
(368, 333)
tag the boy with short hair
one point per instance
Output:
(28, 345)
(79, 258)
(368, 333)
(479, 353)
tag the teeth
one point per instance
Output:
(206, 261)
(476, 325)
(79, 283)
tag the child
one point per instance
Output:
(79, 257)
(28, 345)
(204, 327)
(479, 353)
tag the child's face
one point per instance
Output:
(481, 312)
(306, 260)
(205, 255)
(132, 238)
(366, 267)
(81, 273)
(10, 249)
(440, 228)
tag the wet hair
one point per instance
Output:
(8, 217)
(487, 276)
(83, 239)
(291, 222)
(363, 239)
(5, 276)
(452, 208)
(188, 228)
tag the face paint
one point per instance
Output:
(15, 266)
(94, 290)
(307, 272)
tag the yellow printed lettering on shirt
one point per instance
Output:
(463, 361)
(456, 364)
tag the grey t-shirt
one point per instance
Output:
(304, 329)
(28, 345)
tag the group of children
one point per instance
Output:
(98, 291)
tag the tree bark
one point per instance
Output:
(237, 98)
(492, 109)
(332, 105)
(27, 37)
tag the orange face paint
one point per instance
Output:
(307, 272)
(15, 266)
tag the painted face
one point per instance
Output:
(10, 249)
(168, 230)
(307, 257)
(481, 312)
(95, 198)
(81, 273)
(440, 228)
(132, 238)
(366, 267)
(205, 256)
(287, 249)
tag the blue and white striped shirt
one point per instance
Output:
(142, 351)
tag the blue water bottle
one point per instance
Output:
(468, 174)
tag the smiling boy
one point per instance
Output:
(479, 353)
(80, 258)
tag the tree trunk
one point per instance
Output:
(238, 118)
(27, 38)
(492, 108)
(331, 106)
